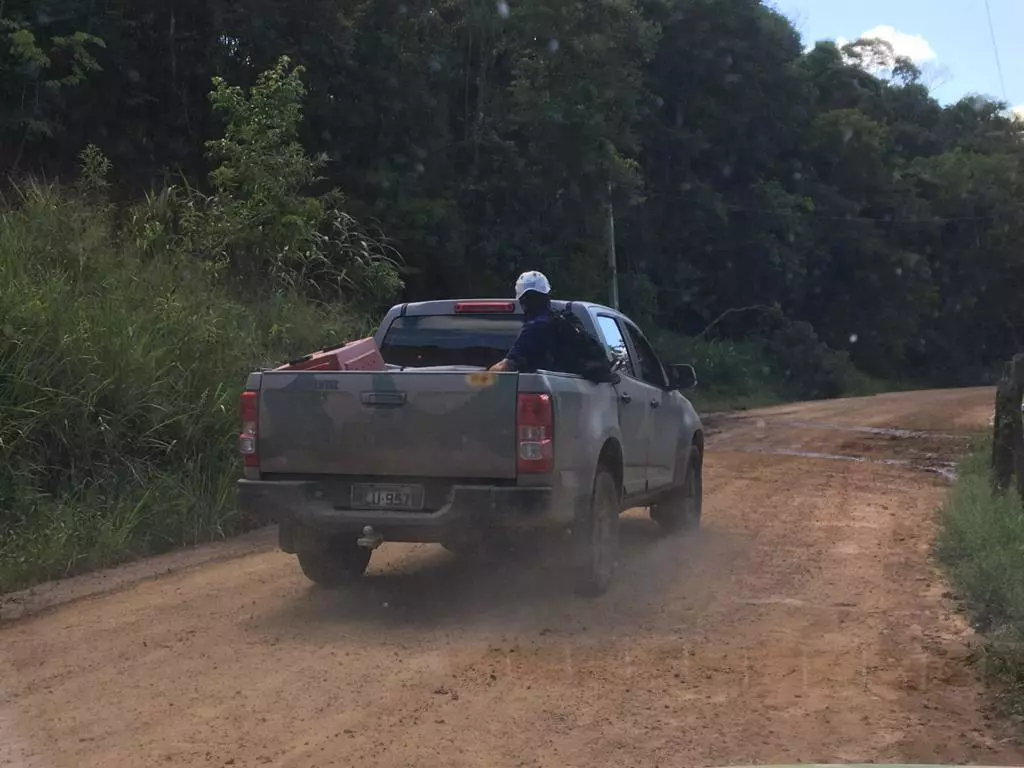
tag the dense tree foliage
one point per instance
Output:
(486, 137)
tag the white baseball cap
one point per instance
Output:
(532, 281)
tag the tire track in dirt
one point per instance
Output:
(805, 622)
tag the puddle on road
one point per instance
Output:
(905, 434)
(718, 420)
(933, 461)
(945, 469)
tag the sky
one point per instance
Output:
(949, 39)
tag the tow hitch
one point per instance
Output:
(370, 538)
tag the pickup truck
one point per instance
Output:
(438, 449)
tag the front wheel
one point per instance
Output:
(331, 561)
(595, 537)
(680, 509)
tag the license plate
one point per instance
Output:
(387, 496)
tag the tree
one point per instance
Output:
(486, 138)
(40, 62)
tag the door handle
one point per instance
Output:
(626, 397)
(655, 403)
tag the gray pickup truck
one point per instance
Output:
(437, 449)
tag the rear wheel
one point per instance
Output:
(595, 537)
(680, 509)
(331, 561)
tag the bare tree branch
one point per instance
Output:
(734, 311)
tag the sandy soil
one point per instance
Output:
(805, 622)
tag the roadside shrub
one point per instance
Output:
(120, 370)
(807, 367)
(789, 363)
(982, 539)
(260, 224)
(731, 374)
(126, 334)
(981, 542)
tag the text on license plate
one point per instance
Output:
(387, 496)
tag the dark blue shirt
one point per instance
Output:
(535, 346)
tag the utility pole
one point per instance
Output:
(613, 266)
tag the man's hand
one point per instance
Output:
(500, 367)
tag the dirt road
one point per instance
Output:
(806, 622)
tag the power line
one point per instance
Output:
(995, 47)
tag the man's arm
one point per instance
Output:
(525, 349)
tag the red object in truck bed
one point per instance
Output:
(361, 355)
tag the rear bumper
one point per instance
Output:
(469, 506)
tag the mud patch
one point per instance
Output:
(902, 434)
(934, 452)
(944, 469)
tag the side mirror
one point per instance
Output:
(682, 377)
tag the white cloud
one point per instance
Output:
(1018, 112)
(914, 47)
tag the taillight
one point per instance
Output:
(250, 424)
(534, 434)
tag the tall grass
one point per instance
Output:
(119, 378)
(981, 543)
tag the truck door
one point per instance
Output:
(665, 420)
(634, 412)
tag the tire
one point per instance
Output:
(680, 509)
(331, 561)
(595, 537)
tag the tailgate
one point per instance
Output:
(405, 423)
